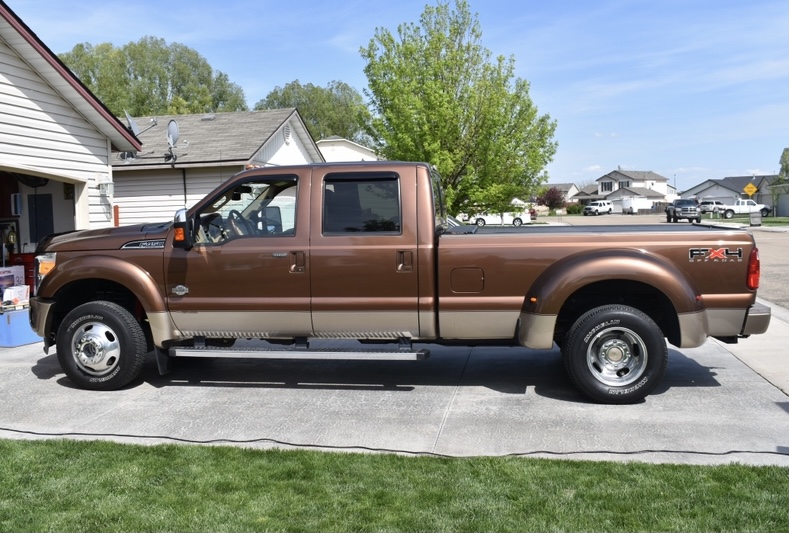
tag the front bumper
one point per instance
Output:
(40, 318)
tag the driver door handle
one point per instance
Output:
(297, 262)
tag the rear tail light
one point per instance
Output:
(754, 269)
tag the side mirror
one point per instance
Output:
(183, 228)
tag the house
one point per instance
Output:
(56, 142)
(633, 190)
(172, 173)
(568, 190)
(587, 194)
(336, 149)
(727, 190)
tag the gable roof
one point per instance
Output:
(563, 187)
(635, 175)
(54, 72)
(215, 138)
(640, 191)
(738, 183)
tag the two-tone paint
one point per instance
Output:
(422, 284)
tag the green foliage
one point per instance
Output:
(437, 96)
(150, 77)
(782, 179)
(552, 197)
(338, 109)
(103, 486)
(575, 209)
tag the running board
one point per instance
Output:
(253, 353)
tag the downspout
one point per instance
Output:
(183, 180)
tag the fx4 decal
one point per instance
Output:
(715, 255)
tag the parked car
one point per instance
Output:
(506, 219)
(711, 206)
(683, 208)
(599, 207)
(744, 207)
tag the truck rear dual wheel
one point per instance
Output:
(101, 346)
(615, 354)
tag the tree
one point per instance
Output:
(778, 185)
(149, 77)
(437, 96)
(552, 198)
(338, 109)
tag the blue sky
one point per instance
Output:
(690, 89)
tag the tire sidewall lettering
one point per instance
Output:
(598, 327)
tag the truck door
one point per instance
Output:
(363, 255)
(248, 273)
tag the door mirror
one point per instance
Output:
(183, 227)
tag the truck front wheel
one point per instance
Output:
(101, 346)
(615, 354)
(728, 214)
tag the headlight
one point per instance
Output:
(42, 266)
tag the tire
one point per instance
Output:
(668, 218)
(480, 222)
(615, 354)
(698, 220)
(517, 222)
(728, 214)
(101, 346)
(610, 210)
(765, 212)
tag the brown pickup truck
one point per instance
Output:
(364, 251)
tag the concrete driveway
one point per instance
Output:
(717, 404)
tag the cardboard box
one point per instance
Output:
(12, 275)
(17, 294)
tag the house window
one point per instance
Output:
(607, 186)
(623, 184)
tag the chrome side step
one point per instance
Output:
(258, 353)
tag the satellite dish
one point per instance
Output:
(132, 125)
(172, 133)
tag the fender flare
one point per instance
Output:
(108, 268)
(103, 267)
(558, 282)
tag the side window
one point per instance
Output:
(361, 204)
(255, 208)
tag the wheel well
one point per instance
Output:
(641, 296)
(89, 290)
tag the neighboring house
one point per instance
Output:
(336, 149)
(634, 189)
(568, 190)
(727, 190)
(587, 194)
(631, 200)
(56, 142)
(155, 182)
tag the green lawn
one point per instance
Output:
(100, 486)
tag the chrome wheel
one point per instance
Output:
(95, 348)
(617, 356)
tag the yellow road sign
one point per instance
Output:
(750, 189)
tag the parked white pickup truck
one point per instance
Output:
(744, 207)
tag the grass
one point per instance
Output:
(102, 486)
